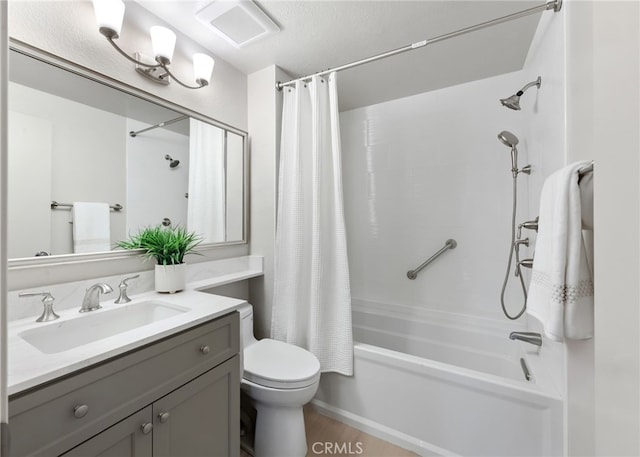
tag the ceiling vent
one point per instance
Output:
(239, 22)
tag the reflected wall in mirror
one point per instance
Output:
(70, 141)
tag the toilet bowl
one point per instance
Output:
(280, 378)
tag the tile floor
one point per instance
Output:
(328, 437)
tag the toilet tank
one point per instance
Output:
(246, 326)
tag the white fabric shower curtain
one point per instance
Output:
(206, 206)
(312, 298)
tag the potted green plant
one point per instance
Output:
(168, 246)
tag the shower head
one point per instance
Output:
(513, 102)
(172, 163)
(510, 140)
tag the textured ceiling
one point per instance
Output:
(316, 35)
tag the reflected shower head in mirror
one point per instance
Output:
(172, 163)
(513, 102)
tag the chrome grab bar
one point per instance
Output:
(449, 244)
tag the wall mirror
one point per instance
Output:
(71, 141)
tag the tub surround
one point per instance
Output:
(453, 369)
(28, 367)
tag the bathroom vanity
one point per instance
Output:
(170, 388)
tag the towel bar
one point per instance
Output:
(56, 205)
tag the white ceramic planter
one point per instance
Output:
(171, 278)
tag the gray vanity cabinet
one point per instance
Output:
(128, 438)
(178, 397)
(195, 419)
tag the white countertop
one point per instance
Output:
(29, 367)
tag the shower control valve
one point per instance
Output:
(530, 225)
(518, 242)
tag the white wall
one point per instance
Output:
(265, 109)
(603, 115)
(426, 168)
(543, 114)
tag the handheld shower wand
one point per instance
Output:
(513, 102)
(510, 140)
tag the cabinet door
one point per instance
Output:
(130, 437)
(202, 418)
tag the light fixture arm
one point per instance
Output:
(111, 39)
(201, 82)
(124, 54)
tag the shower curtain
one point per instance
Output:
(312, 298)
(206, 205)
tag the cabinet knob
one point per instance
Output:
(205, 349)
(80, 411)
(163, 416)
(146, 428)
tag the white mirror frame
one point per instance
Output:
(57, 260)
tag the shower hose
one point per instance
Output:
(513, 249)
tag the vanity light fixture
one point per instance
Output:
(109, 17)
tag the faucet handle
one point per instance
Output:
(123, 297)
(529, 225)
(48, 314)
(124, 281)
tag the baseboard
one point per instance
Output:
(381, 431)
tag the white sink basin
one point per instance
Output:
(60, 336)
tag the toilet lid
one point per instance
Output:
(272, 363)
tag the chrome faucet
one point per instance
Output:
(91, 300)
(527, 337)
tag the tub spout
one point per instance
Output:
(527, 337)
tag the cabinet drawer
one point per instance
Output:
(49, 420)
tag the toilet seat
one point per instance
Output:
(279, 365)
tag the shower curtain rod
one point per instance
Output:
(161, 124)
(554, 5)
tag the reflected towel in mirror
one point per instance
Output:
(91, 227)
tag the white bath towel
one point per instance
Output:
(561, 290)
(91, 227)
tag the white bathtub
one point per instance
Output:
(443, 384)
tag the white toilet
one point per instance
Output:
(280, 378)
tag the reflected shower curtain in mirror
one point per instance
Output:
(206, 207)
(312, 298)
